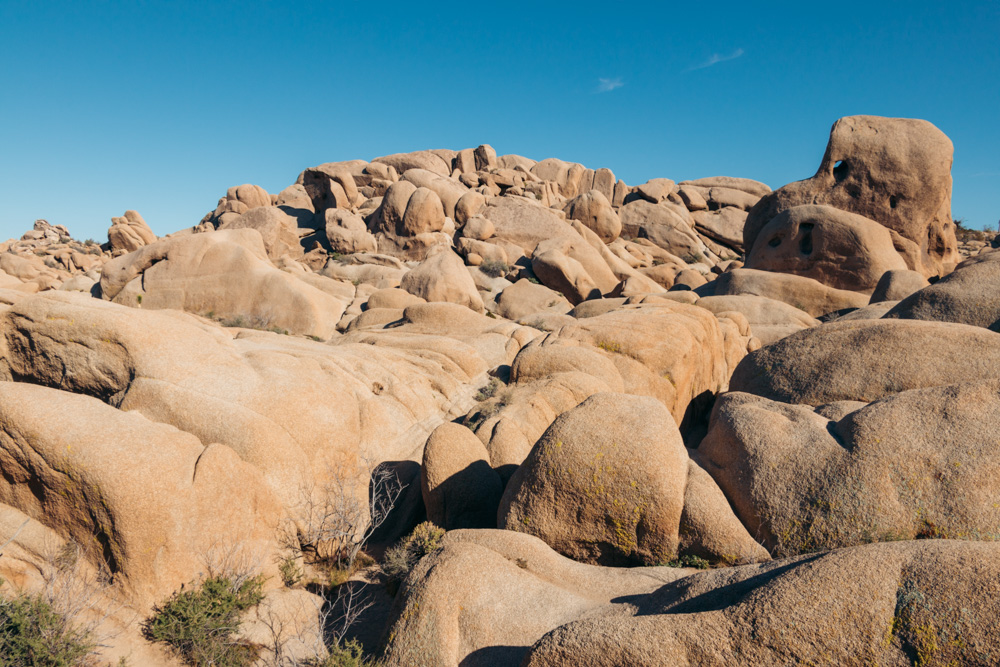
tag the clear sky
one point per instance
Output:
(160, 106)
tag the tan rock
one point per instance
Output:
(604, 484)
(278, 230)
(428, 160)
(969, 295)
(801, 292)
(442, 277)
(459, 487)
(898, 284)
(424, 213)
(865, 360)
(486, 595)
(896, 601)
(837, 248)
(524, 298)
(223, 272)
(347, 232)
(129, 232)
(745, 184)
(896, 171)
(150, 500)
(594, 210)
(663, 225)
(770, 320)
(708, 527)
(915, 464)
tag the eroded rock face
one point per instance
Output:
(970, 295)
(148, 500)
(226, 273)
(836, 248)
(919, 463)
(865, 360)
(896, 171)
(273, 399)
(129, 232)
(604, 484)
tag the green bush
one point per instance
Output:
(201, 623)
(33, 634)
(690, 561)
(348, 654)
(402, 558)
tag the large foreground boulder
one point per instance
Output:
(604, 484)
(896, 171)
(920, 463)
(148, 502)
(909, 603)
(503, 599)
(302, 412)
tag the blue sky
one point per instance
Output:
(160, 106)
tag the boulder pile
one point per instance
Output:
(696, 422)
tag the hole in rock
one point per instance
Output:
(840, 170)
(806, 242)
(893, 201)
(775, 242)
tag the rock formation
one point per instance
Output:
(693, 422)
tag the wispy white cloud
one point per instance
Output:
(717, 58)
(607, 85)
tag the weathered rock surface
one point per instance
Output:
(896, 171)
(919, 463)
(129, 232)
(970, 295)
(604, 484)
(865, 360)
(834, 247)
(459, 487)
(225, 273)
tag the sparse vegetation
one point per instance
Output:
(33, 633)
(494, 268)
(57, 626)
(291, 573)
(344, 654)
(403, 557)
(335, 523)
(489, 391)
(257, 322)
(201, 623)
(610, 346)
(688, 560)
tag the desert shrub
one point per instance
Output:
(34, 634)
(688, 560)
(335, 524)
(403, 557)
(201, 623)
(258, 322)
(494, 268)
(290, 572)
(344, 654)
(489, 391)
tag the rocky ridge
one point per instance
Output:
(594, 388)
